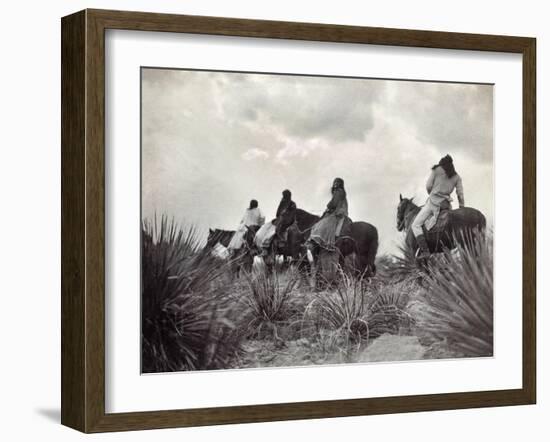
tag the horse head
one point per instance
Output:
(403, 207)
(213, 236)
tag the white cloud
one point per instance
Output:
(255, 153)
(381, 136)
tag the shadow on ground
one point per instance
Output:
(51, 414)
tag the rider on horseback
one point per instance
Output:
(442, 182)
(325, 232)
(286, 215)
(252, 217)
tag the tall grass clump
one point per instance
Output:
(459, 296)
(338, 318)
(388, 305)
(344, 309)
(268, 300)
(185, 312)
(399, 267)
(356, 311)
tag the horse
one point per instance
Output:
(277, 247)
(216, 236)
(446, 234)
(361, 243)
(242, 258)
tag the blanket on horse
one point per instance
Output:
(328, 229)
(264, 235)
(437, 225)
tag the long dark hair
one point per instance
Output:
(447, 164)
(338, 183)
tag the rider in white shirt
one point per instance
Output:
(442, 182)
(253, 216)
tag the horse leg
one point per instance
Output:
(235, 270)
(315, 269)
(328, 264)
(268, 261)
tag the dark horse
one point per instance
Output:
(451, 227)
(216, 236)
(279, 247)
(361, 243)
(244, 258)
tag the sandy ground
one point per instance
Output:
(393, 348)
(301, 352)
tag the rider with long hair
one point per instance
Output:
(442, 182)
(325, 232)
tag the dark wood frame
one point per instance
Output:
(83, 220)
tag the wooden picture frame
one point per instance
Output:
(83, 219)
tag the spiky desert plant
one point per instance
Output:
(267, 299)
(459, 296)
(387, 306)
(358, 310)
(184, 311)
(402, 266)
(344, 311)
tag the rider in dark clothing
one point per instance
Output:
(286, 214)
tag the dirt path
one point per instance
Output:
(393, 348)
(301, 352)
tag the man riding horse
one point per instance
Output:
(441, 183)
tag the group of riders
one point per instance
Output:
(442, 182)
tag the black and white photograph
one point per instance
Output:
(300, 220)
(251, 221)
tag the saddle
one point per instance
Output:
(344, 228)
(443, 220)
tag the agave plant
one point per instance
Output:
(268, 297)
(387, 307)
(342, 312)
(358, 310)
(185, 323)
(399, 267)
(459, 294)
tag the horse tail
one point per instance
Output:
(371, 254)
(482, 221)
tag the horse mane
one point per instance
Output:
(305, 219)
(410, 207)
(221, 231)
(219, 235)
(410, 203)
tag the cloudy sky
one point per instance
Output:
(211, 141)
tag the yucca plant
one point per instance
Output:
(387, 307)
(184, 310)
(358, 310)
(267, 299)
(399, 267)
(343, 312)
(459, 297)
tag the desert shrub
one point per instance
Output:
(459, 297)
(344, 309)
(387, 307)
(185, 313)
(357, 310)
(267, 299)
(399, 267)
